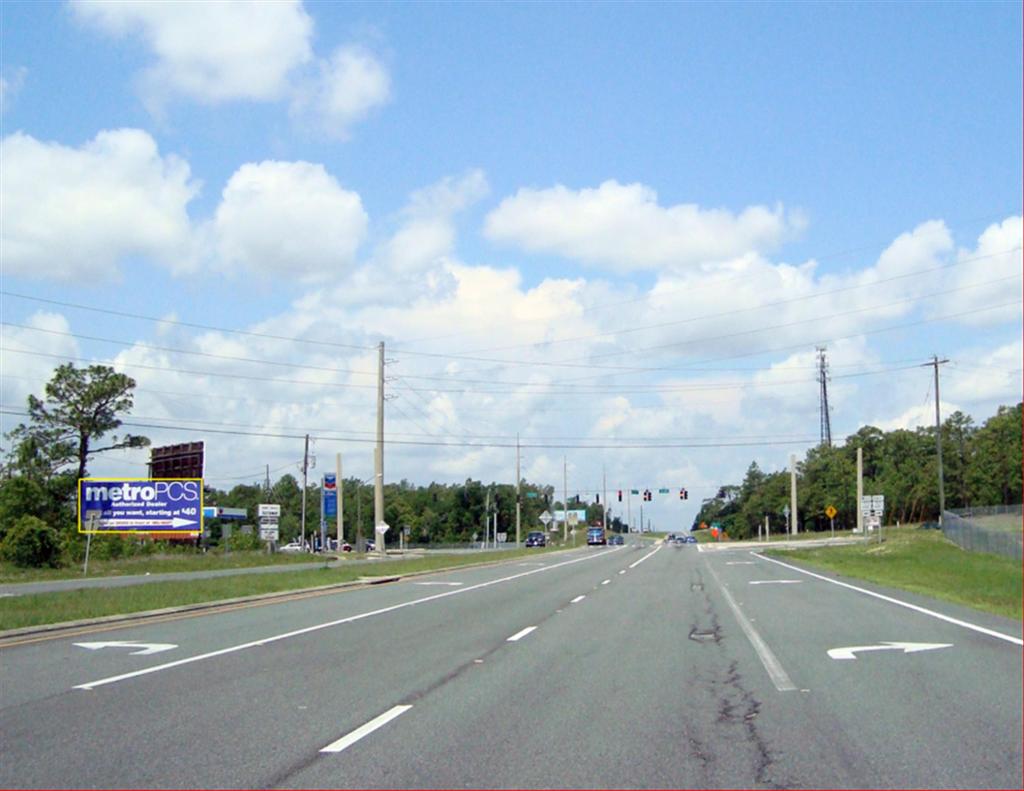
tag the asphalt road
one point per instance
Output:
(617, 667)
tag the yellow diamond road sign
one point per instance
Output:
(830, 512)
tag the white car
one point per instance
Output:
(292, 546)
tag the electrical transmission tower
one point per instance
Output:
(826, 425)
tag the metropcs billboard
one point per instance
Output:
(140, 505)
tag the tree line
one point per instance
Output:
(981, 467)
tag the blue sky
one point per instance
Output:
(676, 187)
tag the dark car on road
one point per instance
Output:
(536, 539)
(616, 540)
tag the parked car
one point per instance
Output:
(535, 538)
(291, 546)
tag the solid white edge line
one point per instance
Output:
(365, 730)
(521, 634)
(578, 598)
(949, 619)
(634, 565)
(771, 663)
(775, 582)
(317, 627)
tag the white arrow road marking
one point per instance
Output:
(775, 582)
(907, 648)
(437, 583)
(147, 648)
(365, 730)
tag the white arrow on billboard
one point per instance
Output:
(907, 648)
(147, 648)
(175, 523)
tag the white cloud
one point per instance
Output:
(212, 51)
(10, 86)
(75, 213)
(426, 235)
(24, 373)
(290, 220)
(988, 275)
(347, 87)
(622, 227)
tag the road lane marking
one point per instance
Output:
(956, 621)
(740, 563)
(146, 648)
(365, 730)
(520, 635)
(775, 582)
(776, 672)
(317, 627)
(578, 598)
(606, 582)
(622, 572)
(850, 651)
(451, 584)
(634, 565)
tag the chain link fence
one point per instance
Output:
(997, 529)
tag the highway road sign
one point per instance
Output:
(130, 505)
(269, 509)
(545, 518)
(831, 512)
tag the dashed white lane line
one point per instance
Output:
(637, 563)
(606, 582)
(364, 730)
(520, 635)
(771, 663)
(775, 582)
(948, 619)
(327, 625)
(578, 598)
(622, 572)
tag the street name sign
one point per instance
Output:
(140, 505)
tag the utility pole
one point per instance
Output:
(305, 471)
(565, 500)
(826, 424)
(378, 491)
(519, 496)
(793, 528)
(935, 363)
(487, 519)
(341, 503)
(604, 508)
(860, 491)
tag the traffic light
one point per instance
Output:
(620, 495)
(682, 494)
(647, 494)
(686, 495)
(597, 499)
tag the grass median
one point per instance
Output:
(48, 608)
(924, 561)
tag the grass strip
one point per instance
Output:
(49, 608)
(153, 564)
(924, 561)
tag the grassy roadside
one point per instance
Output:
(48, 608)
(924, 561)
(152, 564)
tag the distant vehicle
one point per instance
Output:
(596, 537)
(535, 538)
(371, 545)
(291, 546)
(616, 540)
(691, 539)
